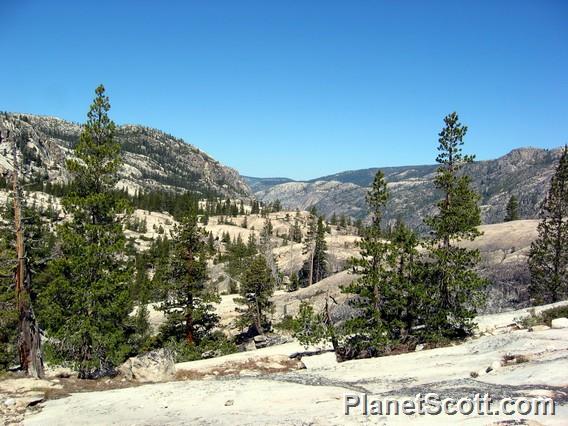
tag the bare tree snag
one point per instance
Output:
(29, 340)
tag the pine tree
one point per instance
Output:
(256, 289)
(85, 305)
(309, 247)
(186, 301)
(512, 209)
(548, 258)
(368, 329)
(333, 220)
(296, 231)
(454, 285)
(320, 253)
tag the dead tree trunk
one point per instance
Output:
(328, 322)
(29, 340)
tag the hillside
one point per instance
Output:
(523, 172)
(152, 159)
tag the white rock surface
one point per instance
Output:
(559, 323)
(316, 395)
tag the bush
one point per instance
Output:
(211, 346)
(553, 313)
(545, 317)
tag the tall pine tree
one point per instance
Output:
(85, 304)
(512, 209)
(368, 330)
(454, 285)
(187, 303)
(256, 289)
(548, 259)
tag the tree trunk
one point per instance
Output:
(311, 274)
(29, 340)
(257, 320)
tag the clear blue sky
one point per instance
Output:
(298, 88)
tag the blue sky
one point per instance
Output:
(298, 88)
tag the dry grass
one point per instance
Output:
(255, 366)
(510, 359)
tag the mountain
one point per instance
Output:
(524, 172)
(260, 184)
(152, 159)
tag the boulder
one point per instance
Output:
(261, 338)
(559, 323)
(155, 366)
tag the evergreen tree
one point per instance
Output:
(333, 220)
(186, 301)
(368, 329)
(512, 209)
(256, 289)
(454, 285)
(548, 258)
(296, 231)
(8, 310)
(85, 305)
(320, 253)
(309, 247)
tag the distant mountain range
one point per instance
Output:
(153, 160)
(524, 172)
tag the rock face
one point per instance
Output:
(155, 366)
(152, 159)
(271, 390)
(523, 172)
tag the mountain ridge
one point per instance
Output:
(153, 159)
(523, 172)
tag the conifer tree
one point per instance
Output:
(454, 285)
(309, 246)
(512, 209)
(548, 258)
(333, 220)
(368, 329)
(186, 301)
(296, 231)
(85, 305)
(320, 253)
(256, 289)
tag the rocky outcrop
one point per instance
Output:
(152, 159)
(155, 366)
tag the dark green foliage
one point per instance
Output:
(213, 345)
(548, 258)
(512, 209)
(315, 247)
(8, 312)
(320, 253)
(238, 257)
(85, 300)
(296, 231)
(453, 284)
(369, 331)
(186, 301)
(309, 326)
(257, 286)
(39, 243)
